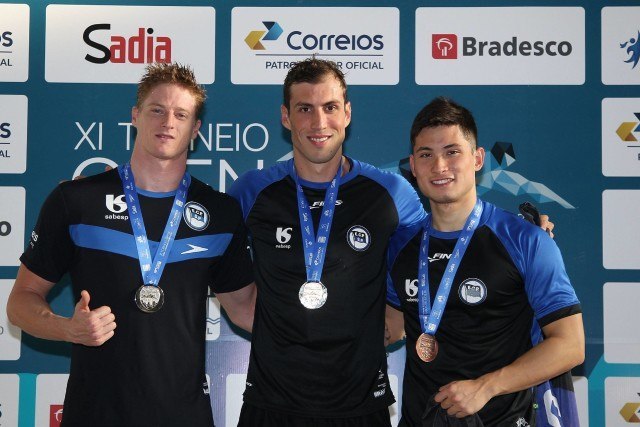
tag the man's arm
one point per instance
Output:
(240, 305)
(393, 326)
(28, 309)
(561, 350)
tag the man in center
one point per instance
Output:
(320, 227)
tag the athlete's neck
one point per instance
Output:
(157, 175)
(451, 216)
(324, 172)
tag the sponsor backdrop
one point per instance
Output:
(553, 86)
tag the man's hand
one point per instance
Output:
(91, 327)
(546, 225)
(462, 398)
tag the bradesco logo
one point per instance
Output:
(445, 46)
(301, 40)
(139, 48)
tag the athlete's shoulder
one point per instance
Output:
(248, 186)
(504, 222)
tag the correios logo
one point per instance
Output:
(299, 40)
(632, 47)
(254, 39)
(626, 129)
(445, 46)
(141, 48)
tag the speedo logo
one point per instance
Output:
(448, 46)
(300, 40)
(141, 48)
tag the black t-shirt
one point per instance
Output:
(510, 283)
(151, 373)
(327, 362)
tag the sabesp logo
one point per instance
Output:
(632, 47)
(139, 48)
(274, 30)
(444, 48)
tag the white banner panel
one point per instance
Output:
(620, 137)
(621, 317)
(112, 44)
(50, 391)
(265, 41)
(13, 133)
(500, 46)
(622, 403)
(10, 398)
(14, 43)
(12, 211)
(620, 50)
(10, 335)
(620, 231)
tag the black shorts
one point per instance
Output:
(251, 416)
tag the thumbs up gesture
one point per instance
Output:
(91, 327)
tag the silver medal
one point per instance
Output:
(149, 298)
(312, 295)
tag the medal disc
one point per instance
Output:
(313, 295)
(427, 347)
(149, 298)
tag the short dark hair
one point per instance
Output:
(312, 70)
(445, 112)
(182, 75)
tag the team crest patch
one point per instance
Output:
(196, 216)
(359, 238)
(472, 291)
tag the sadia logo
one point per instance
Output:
(444, 46)
(626, 129)
(115, 204)
(631, 412)
(632, 47)
(139, 48)
(254, 39)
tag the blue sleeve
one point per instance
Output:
(247, 188)
(540, 263)
(411, 216)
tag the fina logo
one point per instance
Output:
(633, 49)
(274, 30)
(196, 216)
(359, 238)
(472, 291)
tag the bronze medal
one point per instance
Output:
(427, 347)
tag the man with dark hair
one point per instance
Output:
(142, 253)
(493, 313)
(317, 355)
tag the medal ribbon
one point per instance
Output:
(430, 319)
(152, 271)
(315, 248)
